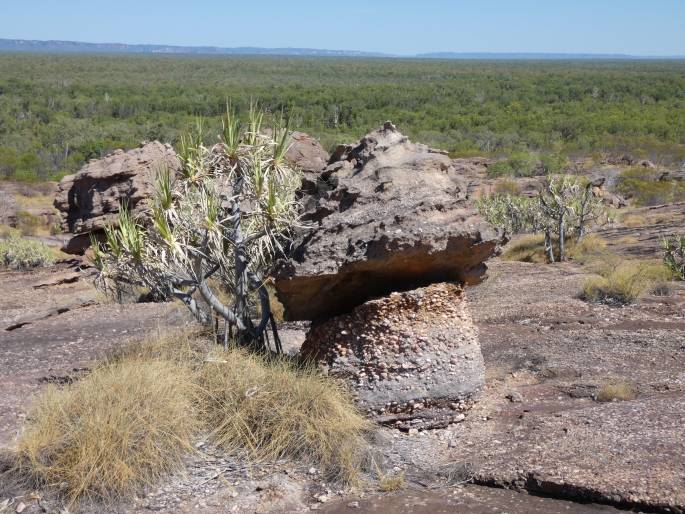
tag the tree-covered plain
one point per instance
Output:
(57, 111)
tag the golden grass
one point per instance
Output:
(592, 246)
(508, 187)
(624, 281)
(526, 248)
(531, 248)
(270, 409)
(626, 240)
(620, 391)
(277, 308)
(122, 426)
(633, 220)
(133, 418)
(390, 483)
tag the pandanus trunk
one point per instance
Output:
(549, 250)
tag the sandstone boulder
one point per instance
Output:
(307, 154)
(91, 198)
(412, 359)
(389, 215)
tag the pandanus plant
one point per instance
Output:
(565, 206)
(215, 230)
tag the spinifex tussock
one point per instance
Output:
(269, 409)
(124, 425)
(133, 418)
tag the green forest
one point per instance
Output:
(58, 111)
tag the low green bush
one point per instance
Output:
(20, 253)
(643, 187)
(674, 254)
(519, 164)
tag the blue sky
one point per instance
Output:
(640, 27)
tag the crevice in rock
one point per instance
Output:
(536, 486)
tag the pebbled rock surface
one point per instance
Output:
(390, 215)
(90, 199)
(412, 358)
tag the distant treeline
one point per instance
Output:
(57, 111)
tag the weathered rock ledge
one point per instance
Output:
(390, 215)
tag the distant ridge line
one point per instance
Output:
(73, 47)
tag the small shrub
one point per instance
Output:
(674, 254)
(619, 391)
(623, 281)
(644, 187)
(519, 164)
(391, 483)
(121, 427)
(21, 254)
(553, 163)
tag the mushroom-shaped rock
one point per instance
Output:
(393, 216)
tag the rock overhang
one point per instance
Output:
(392, 216)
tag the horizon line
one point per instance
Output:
(173, 49)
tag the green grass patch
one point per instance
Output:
(21, 253)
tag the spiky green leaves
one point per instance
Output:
(674, 254)
(237, 198)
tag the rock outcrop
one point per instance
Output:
(389, 215)
(91, 198)
(307, 154)
(412, 359)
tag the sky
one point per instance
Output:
(637, 27)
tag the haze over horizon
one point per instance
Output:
(400, 28)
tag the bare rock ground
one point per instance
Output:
(53, 324)
(537, 426)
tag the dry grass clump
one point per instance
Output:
(507, 187)
(633, 220)
(122, 426)
(531, 248)
(526, 248)
(624, 281)
(269, 409)
(391, 483)
(592, 246)
(619, 391)
(133, 418)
